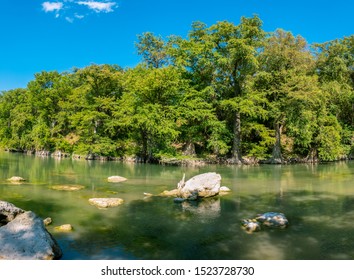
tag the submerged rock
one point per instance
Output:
(67, 187)
(64, 228)
(202, 185)
(105, 202)
(24, 237)
(116, 179)
(172, 193)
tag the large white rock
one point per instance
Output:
(25, 237)
(202, 185)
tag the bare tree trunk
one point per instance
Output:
(276, 154)
(144, 138)
(236, 148)
(189, 149)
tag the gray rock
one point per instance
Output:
(205, 185)
(273, 220)
(25, 237)
(8, 212)
(178, 200)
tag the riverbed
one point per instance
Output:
(317, 199)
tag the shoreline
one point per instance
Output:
(176, 161)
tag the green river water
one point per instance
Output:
(318, 201)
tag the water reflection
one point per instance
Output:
(318, 200)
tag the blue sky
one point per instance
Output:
(58, 35)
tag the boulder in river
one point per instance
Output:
(23, 236)
(202, 185)
(106, 202)
(116, 179)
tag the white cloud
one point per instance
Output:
(98, 7)
(52, 6)
(79, 16)
(69, 19)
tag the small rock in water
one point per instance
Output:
(116, 179)
(148, 194)
(224, 189)
(64, 228)
(251, 225)
(47, 221)
(105, 202)
(16, 179)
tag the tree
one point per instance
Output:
(221, 57)
(152, 49)
(148, 108)
(285, 63)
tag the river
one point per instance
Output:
(318, 201)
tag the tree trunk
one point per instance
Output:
(236, 147)
(189, 149)
(276, 154)
(144, 139)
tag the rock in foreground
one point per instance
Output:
(105, 202)
(202, 185)
(24, 237)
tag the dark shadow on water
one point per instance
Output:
(320, 228)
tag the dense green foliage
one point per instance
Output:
(225, 91)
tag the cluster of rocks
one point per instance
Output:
(23, 234)
(267, 220)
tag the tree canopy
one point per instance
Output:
(224, 92)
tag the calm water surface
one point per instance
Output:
(318, 200)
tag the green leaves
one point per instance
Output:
(224, 90)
